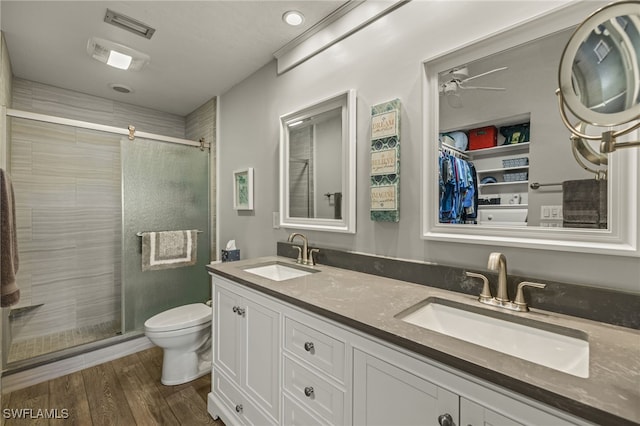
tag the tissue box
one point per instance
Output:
(230, 255)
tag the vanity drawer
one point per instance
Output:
(295, 415)
(315, 347)
(314, 392)
(245, 411)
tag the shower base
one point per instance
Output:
(29, 348)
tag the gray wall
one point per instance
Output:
(381, 62)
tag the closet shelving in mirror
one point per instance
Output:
(547, 134)
(511, 182)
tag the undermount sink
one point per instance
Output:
(279, 271)
(553, 346)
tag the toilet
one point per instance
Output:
(184, 334)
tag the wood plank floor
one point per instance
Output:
(126, 391)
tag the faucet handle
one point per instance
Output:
(299, 260)
(486, 291)
(519, 302)
(311, 260)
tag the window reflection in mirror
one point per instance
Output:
(315, 182)
(512, 165)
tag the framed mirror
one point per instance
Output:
(492, 104)
(318, 165)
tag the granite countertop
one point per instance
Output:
(369, 303)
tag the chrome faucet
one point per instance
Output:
(498, 262)
(305, 256)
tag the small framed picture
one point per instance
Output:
(243, 189)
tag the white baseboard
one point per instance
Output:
(70, 365)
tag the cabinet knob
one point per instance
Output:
(445, 420)
(308, 391)
(308, 346)
(240, 311)
(235, 309)
(239, 408)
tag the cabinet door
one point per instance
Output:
(384, 394)
(472, 414)
(227, 334)
(261, 349)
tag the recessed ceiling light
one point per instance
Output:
(293, 18)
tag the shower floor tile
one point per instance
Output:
(29, 348)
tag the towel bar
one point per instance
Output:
(536, 185)
(139, 234)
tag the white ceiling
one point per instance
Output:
(200, 48)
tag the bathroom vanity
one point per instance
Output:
(330, 346)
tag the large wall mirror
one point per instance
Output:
(317, 165)
(492, 124)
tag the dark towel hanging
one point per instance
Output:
(337, 205)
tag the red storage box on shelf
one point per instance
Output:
(483, 137)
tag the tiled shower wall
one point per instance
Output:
(67, 191)
(45, 99)
(201, 123)
(301, 185)
(67, 184)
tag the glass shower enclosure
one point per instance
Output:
(165, 187)
(82, 196)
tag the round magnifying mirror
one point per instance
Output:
(599, 75)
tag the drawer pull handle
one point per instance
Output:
(239, 408)
(308, 346)
(445, 420)
(308, 391)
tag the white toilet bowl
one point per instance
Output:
(184, 334)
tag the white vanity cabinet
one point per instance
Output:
(315, 371)
(246, 355)
(385, 394)
(473, 414)
(285, 365)
(392, 387)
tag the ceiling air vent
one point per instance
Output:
(129, 24)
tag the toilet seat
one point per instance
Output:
(179, 318)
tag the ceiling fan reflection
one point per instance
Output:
(456, 80)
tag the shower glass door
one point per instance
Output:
(67, 191)
(165, 187)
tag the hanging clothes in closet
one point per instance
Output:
(458, 189)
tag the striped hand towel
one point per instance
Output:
(169, 249)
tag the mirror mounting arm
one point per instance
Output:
(608, 138)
